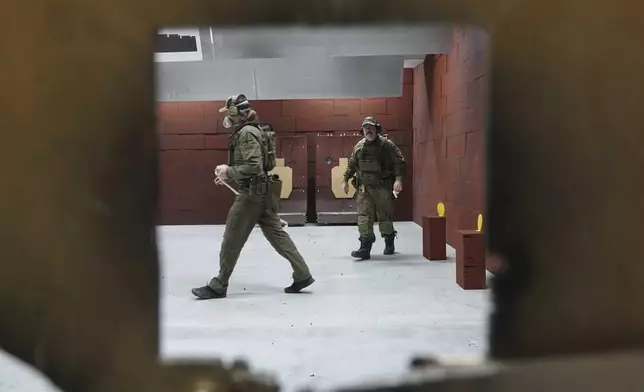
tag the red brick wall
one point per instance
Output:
(193, 142)
(449, 108)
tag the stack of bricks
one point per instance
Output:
(470, 259)
(434, 237)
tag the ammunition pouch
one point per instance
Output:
(274, 193)
(374, 180)
(370, 172)
(258, 185)
(368, 166)
(371, 179)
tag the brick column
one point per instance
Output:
(470, 259)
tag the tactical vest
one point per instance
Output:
(266, 140)
(232, 143)
(374, 163)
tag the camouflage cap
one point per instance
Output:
(370, 121)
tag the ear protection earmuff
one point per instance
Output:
(236, 105)
(232, 111)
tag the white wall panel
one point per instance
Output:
(204, 80)
(263, 43)
(340, 77)
(313, 77)
(266, 43)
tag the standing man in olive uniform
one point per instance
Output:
(257, 202)
(377, 167)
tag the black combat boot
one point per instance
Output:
(389, 243)
(207, 292)
(296, 287)
(364, 253)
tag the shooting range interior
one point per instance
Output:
(516, 216)
(315, 86)
(426, 85)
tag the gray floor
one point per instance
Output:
(359, 320)
(18, 377)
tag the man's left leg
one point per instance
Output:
(366, 214)
(283, 244)
(385, 211)
(271, 226)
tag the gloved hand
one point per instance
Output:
(221, 172)
(345, 187)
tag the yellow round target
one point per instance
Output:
(479, 224)
(440, 208)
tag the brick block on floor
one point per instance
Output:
(434, 237)
(470, 259)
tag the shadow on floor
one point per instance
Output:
(401, 259)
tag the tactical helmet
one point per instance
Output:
(370, 120)
(236, 105)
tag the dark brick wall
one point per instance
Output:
(193, 142)
(449, 108)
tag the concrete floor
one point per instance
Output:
(18, 377)
(358, 321)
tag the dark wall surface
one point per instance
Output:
(194, 142)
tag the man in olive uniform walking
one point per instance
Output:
(377, 167)
(257, 202)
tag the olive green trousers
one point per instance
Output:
(247, 211)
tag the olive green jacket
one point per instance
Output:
(245, 154)
(387, 155)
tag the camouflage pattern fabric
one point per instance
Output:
(375, 203)
(375, 166)
(250, 208)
